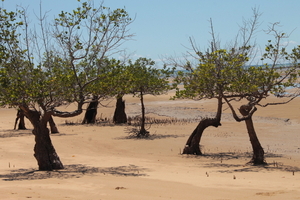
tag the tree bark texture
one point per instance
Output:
(44, 151)
(21, 125)
(192, 145)
(258, 152)
(120, 115)
(91, 112)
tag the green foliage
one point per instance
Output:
(143, 78)
(217, 72)
(12, 64)
(223, 73)
(117, 79)
(102, 25)
(83, 39)
(279, 78)
(111, 80)
(20, 81)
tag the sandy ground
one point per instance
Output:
(103, 163)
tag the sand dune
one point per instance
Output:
(102, 162)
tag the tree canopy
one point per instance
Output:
(145, 79)
(227, 75)
(39, 73)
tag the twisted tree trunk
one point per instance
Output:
(192, 145)
(44, 151)
(258, 157)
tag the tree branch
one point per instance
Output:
(235, 116)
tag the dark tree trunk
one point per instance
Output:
(192, 145)
(21, 125)
(44, 151)
(53, 127)
(120, 115)
(21, 117)
(258, 157)
(143, 132)
(91, 112)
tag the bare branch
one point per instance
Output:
(278, 103)
(61, 114)
(235, 116)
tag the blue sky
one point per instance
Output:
(163, 27)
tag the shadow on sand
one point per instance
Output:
(73, 171)
(224, 163)
(15, 133)
(27, 132)
(150, 137)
